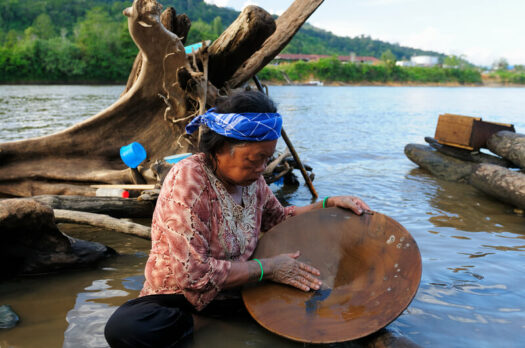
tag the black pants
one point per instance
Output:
(158, 320)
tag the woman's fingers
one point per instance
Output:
(355, 204)
(295, 273)
(309, 269)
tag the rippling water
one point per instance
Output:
(472, 247)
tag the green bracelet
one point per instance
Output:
(324, 201)
(262, 271)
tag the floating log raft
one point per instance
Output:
(502, 183)
(441, 165)
(490, 174)
(510, 146)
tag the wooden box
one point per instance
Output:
(467, 132)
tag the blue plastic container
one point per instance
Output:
(133, 154)
(189, 49)
(175, 158)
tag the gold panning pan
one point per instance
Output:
(370, 267)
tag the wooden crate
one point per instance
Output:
(467, 132)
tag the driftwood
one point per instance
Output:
(502, 183)
(113, 206)
(164, 92)
(509, 145)
(286, 27)
(30, 241)
(468, 155)
(103, 221)
(440, 165)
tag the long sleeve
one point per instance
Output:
(180, 258)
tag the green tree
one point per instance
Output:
(43, 26)
(200, 31)
(216, 26)
(388, 58)
(501, 64)
(97, 37)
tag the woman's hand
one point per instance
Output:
(285, 269)
(355, 204)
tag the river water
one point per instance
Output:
(472, 291)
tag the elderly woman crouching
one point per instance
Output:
(209, 215)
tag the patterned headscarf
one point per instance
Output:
(249, 126)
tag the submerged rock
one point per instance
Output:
(30, 241)
(8, 318)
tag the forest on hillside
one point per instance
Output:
(81, 41)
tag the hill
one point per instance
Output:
(81, 41)
(64, 14)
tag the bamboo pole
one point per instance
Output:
(292, 149)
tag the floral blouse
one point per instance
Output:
(198, 229)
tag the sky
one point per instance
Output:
(482, 31)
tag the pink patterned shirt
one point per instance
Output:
(197, 230)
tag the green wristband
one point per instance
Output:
(262, 271)
(324, 201)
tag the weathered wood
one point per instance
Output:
(87, 153)
(102, 221)
(370, 267)
(162, 96)
(30, 241)
(114, 206)
(276, 162)
(295, 155)
(467, 155)
(286, 26)
(504, 184)
(440, 165)
(510, 146)
(238, 42)
(455, 130)
(466, 132)
(177, 24)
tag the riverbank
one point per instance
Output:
(490, 84)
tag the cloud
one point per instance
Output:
(429, 38)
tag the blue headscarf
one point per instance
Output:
(249, 126)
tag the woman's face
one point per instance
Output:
(245, 163)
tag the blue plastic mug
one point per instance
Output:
(133, 154)
(175, 158)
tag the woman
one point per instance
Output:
(209, 216)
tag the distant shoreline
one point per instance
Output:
(491, 84)
(398, 84)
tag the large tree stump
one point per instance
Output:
(509, 145)
(165, 90)
(504, 184)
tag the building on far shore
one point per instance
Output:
(426, 61)
(294, 57)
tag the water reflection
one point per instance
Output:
(472, 247)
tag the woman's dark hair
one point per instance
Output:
(247, 101)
